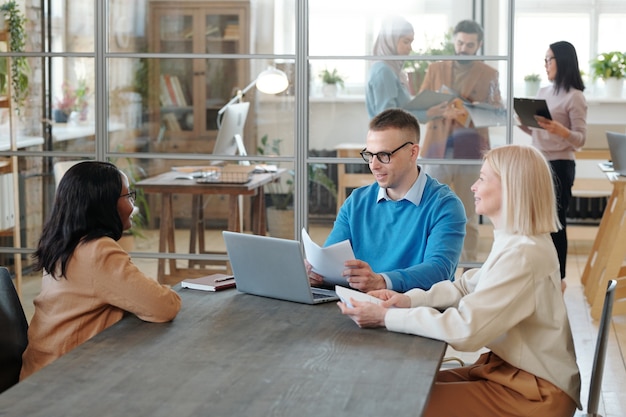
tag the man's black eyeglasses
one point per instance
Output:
(132, 195)
(383, 157)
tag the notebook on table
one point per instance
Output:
(617, 148)
(272, 267)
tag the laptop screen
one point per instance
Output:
(617, 148)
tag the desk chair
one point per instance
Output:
(60, 168)
(13, 332)
(449, 359)
(347, 180)
(597, 370)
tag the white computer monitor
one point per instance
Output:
(230, 134)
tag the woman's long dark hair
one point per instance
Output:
(567, 73)
(85, 208)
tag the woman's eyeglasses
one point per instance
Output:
(383, 157)
(132, 195)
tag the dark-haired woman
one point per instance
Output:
(89, 281)
(562, 136)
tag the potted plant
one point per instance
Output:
(135, 173)
(331, 80)
(611, 68)
(280, 215)
(73, 100)
(279, 193)
(13, 20)
(532, 84)
(416, 70)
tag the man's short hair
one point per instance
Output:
(469, 26)
(397, 119)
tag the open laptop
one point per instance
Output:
(272, 267)
(617, 147)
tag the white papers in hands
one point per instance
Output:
(485, 115)
(345, 294)
(328, 261)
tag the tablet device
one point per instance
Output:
(427, 99)
(528, 108)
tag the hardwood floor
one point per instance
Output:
(584, 328)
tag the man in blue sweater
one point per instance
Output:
(406, 229)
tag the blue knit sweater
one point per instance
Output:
(414, 245)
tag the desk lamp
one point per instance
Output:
(270, 81)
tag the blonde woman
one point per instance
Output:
(512, 305)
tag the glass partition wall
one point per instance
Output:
(144, 84)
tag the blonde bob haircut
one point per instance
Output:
(528, 198)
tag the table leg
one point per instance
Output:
(258, 213)
(233, 215)
(197, 243)
(166, 235)
(196, 233)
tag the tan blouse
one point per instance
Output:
(101, 285)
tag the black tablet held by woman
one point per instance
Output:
(528, 108)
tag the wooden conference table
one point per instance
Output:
(233, 354)
(169, 183)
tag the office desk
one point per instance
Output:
(607, 254)
(167, 184)
(233, 354)
(590, 181)
(62, 132)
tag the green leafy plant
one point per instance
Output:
(281, 193)
(141, 219)
(140, 81)
(532, 78)
(20, 69)
(417, 69)
(331, 77)
(136, 173)
(73, 98)
(609, 65)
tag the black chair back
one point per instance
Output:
(597, 371)
(13, 332)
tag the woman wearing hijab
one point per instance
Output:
(387, 86)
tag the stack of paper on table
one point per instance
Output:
(328, 261)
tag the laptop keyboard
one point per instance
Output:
(317, 295)
(321, 293)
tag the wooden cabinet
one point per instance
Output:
(188, 92)
(191, 90)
